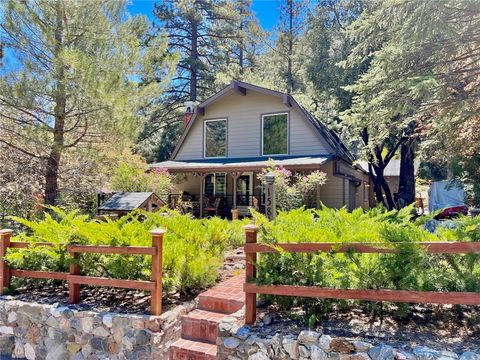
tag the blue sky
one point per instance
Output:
(266, 10)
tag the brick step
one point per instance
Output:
(201, 325)
(192, 350)
(226, 298)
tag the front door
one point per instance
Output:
(244, 183)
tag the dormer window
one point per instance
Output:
(275, 134)
(215, 138)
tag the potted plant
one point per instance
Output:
(234, 214)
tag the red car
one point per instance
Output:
(452, 212)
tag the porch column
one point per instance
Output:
(202, 178)
(234, 176)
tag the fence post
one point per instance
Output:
(250, 272)
(157, 265)
(74, 289)
(5, 235)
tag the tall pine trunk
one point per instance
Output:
(53, 160)
(194, 60)
(406, 188)
(241, 44)
(290, 48)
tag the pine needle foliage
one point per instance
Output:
(410, 268)
(193, 250)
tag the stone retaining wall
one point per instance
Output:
(37, 331)
(236, 342)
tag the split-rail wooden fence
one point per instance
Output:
(427, 297)
(74, 277)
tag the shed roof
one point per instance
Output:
(244, 164)
(126, 201)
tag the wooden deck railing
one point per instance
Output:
(74, 277)
(431, 297)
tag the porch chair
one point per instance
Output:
(213, 208)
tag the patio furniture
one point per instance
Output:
(187, 207)
(213, 208)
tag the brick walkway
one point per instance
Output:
(200, 327)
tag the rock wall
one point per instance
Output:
(37, 331)
(236, 342)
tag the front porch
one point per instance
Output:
(216, 186)
(207, 194)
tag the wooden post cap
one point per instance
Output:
(251, 228)
(6, 231)
(158, 231)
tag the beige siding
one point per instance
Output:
(333, 193)
(363, 193)
(191, 184)
(244, 127)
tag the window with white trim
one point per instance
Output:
(215, 138)
(216, 184)
(275, 134)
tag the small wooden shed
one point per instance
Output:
(124, 202)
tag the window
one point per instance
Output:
(215, 138)
(275, 134)
(216, 184)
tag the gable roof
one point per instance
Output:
(329, 135)
(126, 201)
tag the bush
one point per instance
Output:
(132, 175)
(193, 249)
(408, 269)
(293, 190)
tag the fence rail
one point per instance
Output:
(427, 297)
(74, 277)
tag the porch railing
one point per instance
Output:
(226, 203)
(74, 277)
(252, 248)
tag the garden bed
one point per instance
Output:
(440, 327)
(102, 299)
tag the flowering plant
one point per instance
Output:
(292, 190)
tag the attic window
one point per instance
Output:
(275, 134)
(215, 138)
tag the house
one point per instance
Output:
(230, 137)
(123, 202)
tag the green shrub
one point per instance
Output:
(193, 249)
(410, 268)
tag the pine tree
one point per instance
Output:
(215, 42)
(243, 50)
(196, 29)
(291, 28)
(71, 92)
